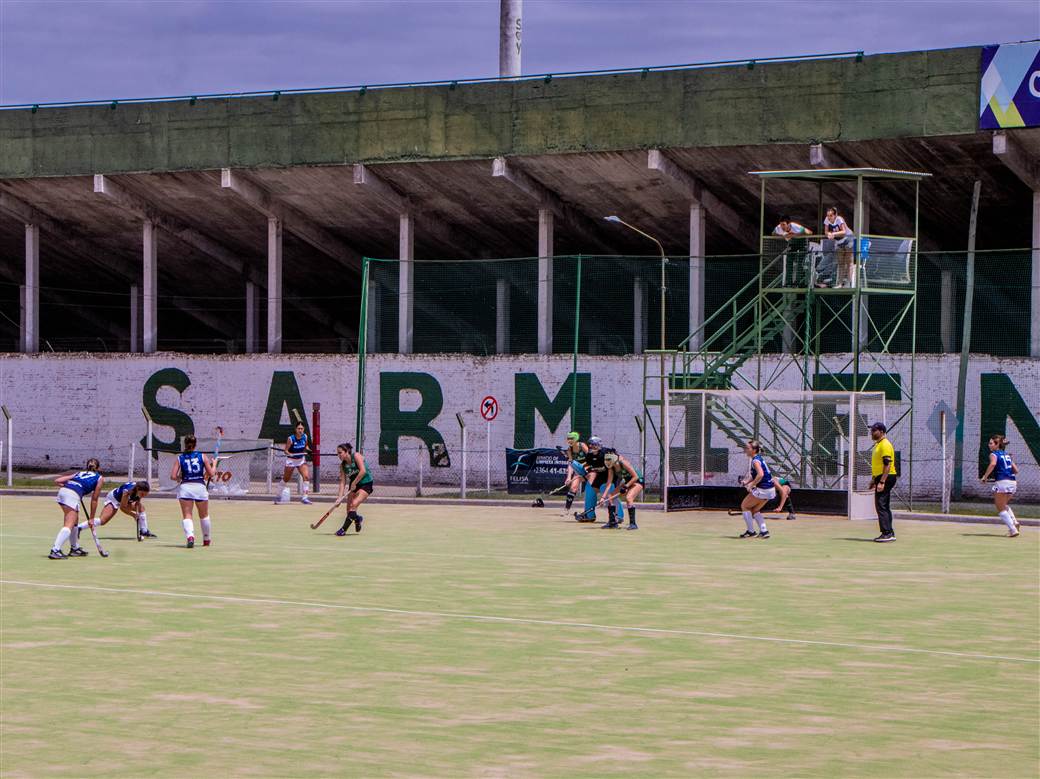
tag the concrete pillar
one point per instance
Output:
(135, 318)
(946, 302)
(374, 322)
(1034, 305)
(697, 263)
(31, 307)
(509, 26)
(640, 316)
(502, 292)
(545, 280)
(406, 268)
(274, 286)
(149, 288)
(21, 317)
(252, 318)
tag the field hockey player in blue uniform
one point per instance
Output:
(126, 498)
(71, 490)
(761, 490)
(297, 446)
(192, 469)
(1005, 475)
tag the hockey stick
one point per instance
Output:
(328, 513)
(539, 502)
(586, 514)
(93, 530)
(137, 523)
(216, 453)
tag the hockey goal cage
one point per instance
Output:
(818, 440)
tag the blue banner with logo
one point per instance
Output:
(535, 470)
(1010, 94)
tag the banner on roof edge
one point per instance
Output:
(1010, 94)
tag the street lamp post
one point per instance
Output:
(664, 263)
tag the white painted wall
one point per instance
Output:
(68, 407)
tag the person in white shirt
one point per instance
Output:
(788, 228)
(839, 258)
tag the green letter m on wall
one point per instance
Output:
(1001, 402)
(531, 397)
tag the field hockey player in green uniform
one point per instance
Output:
(575, 452)
(354, 479)
(629, 484)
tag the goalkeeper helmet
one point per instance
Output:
(596, 441)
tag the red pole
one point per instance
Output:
(316, 438)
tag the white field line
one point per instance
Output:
(895, 573)
(519, 620)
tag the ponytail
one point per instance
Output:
(999, 440)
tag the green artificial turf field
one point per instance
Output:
(457, 642)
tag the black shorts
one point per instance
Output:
(599, 479)
(365, 487)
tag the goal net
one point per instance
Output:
(815, 440)
(243, 466)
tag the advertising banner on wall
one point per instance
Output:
(1010, 94)
(535, 470)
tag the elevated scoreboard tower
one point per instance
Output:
(821, 316)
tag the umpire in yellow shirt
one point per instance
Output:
(883, 469)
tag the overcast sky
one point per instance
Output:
(78, 50)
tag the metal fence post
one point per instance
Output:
(10, 446)
(462, 482)
(422, 454)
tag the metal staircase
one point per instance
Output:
(755, 322)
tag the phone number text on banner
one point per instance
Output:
(535, 470)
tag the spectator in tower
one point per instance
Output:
(837, 256)
(788, 228)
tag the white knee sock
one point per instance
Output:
(142, 522)
(1007, 519)
(189, 527)
(204, 521)
(74, 536)
(761, 522)
(81, 525)
(749, 522)
(62, 537)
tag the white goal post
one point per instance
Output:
(243, 466)
(817, 440)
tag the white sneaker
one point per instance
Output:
(305, 500)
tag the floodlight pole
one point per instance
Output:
(664, 377)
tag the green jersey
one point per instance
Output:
(576, 452)
(350, 470)
(625, 475)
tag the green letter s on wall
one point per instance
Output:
(161, 415)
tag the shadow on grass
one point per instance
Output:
(986, 535)
(861, 540)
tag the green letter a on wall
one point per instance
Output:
(530, 397)
(284, 396)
